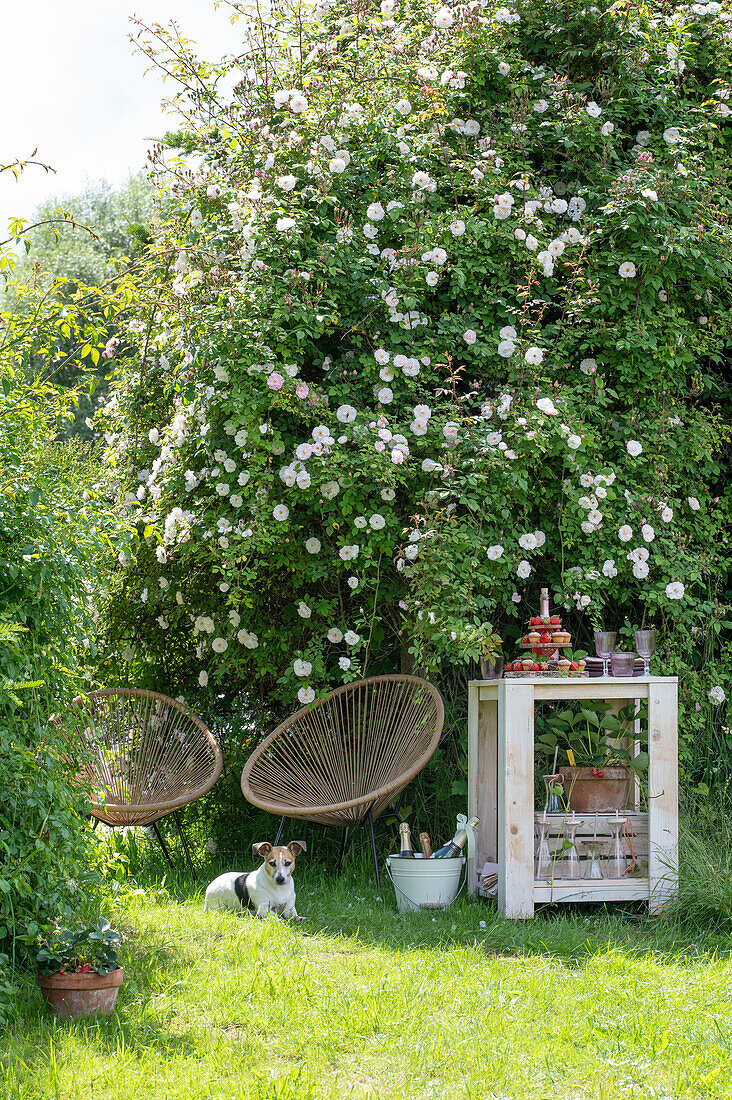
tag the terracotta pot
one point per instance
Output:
(590, 794)
(491, 670)
(70, 996)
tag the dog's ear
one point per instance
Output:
(262, 848)
(297, 846)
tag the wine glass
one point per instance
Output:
(594, 847)
(604, 645)
(616, 862)
(544, 867)
(645, 644)
(571, 864)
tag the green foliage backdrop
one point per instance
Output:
(437, 311)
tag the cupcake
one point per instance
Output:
(534, 636)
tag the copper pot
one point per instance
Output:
(589, 793)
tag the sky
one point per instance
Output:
(74, 89)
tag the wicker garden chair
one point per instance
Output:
(143, 756)
(342, 760)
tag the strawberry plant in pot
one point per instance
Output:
(598, 745)
(78, 971)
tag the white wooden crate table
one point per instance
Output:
(501, 789)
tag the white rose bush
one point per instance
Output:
(436, 342)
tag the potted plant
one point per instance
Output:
(78, 971)
(479, 642)
(600, 774)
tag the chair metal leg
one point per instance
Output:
(280, 831)
(343, 849)
(161, 842)
(373, 850)
(181, 834)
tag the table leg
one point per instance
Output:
(483, 778)
(663, 784)
(516, 799)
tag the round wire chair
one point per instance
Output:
(344, 759)
(143, 756)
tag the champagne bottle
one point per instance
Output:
(424, 843)
(455, 846)
(406, 848)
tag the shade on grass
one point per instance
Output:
(360, 1001)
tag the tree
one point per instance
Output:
(436, 316)
(70, 247)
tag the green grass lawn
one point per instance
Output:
(363, 1002)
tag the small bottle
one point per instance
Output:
(405, 845)
(425, 845)
(544, 603)
(455, 846)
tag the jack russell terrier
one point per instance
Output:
(269, 889)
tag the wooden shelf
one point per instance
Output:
(501, 790)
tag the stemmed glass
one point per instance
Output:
(616, 861)
(594, 848)
(543, 855)
(645, 644)
(604, 645)
(571, 865)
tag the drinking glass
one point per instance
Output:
(571, 864)
(604, 645)
(645, 643)
(543, 855)
(622, 663)
(616, 862)
(594, 848)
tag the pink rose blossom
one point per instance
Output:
(302, 389)
(275, 381)
(379, 445)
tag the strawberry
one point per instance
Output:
(509, 667)
(555, 620)
(574, 666)
(86, 969)
(535, 620)
(526, 640)
(546, 638)
(535, 667)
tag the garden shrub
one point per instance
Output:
(437, 312)
(57, 528)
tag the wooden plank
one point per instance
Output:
(473, 761)
(634, 687)
(663, 782)
(592, 890)
(488, 780)
(515, 798)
